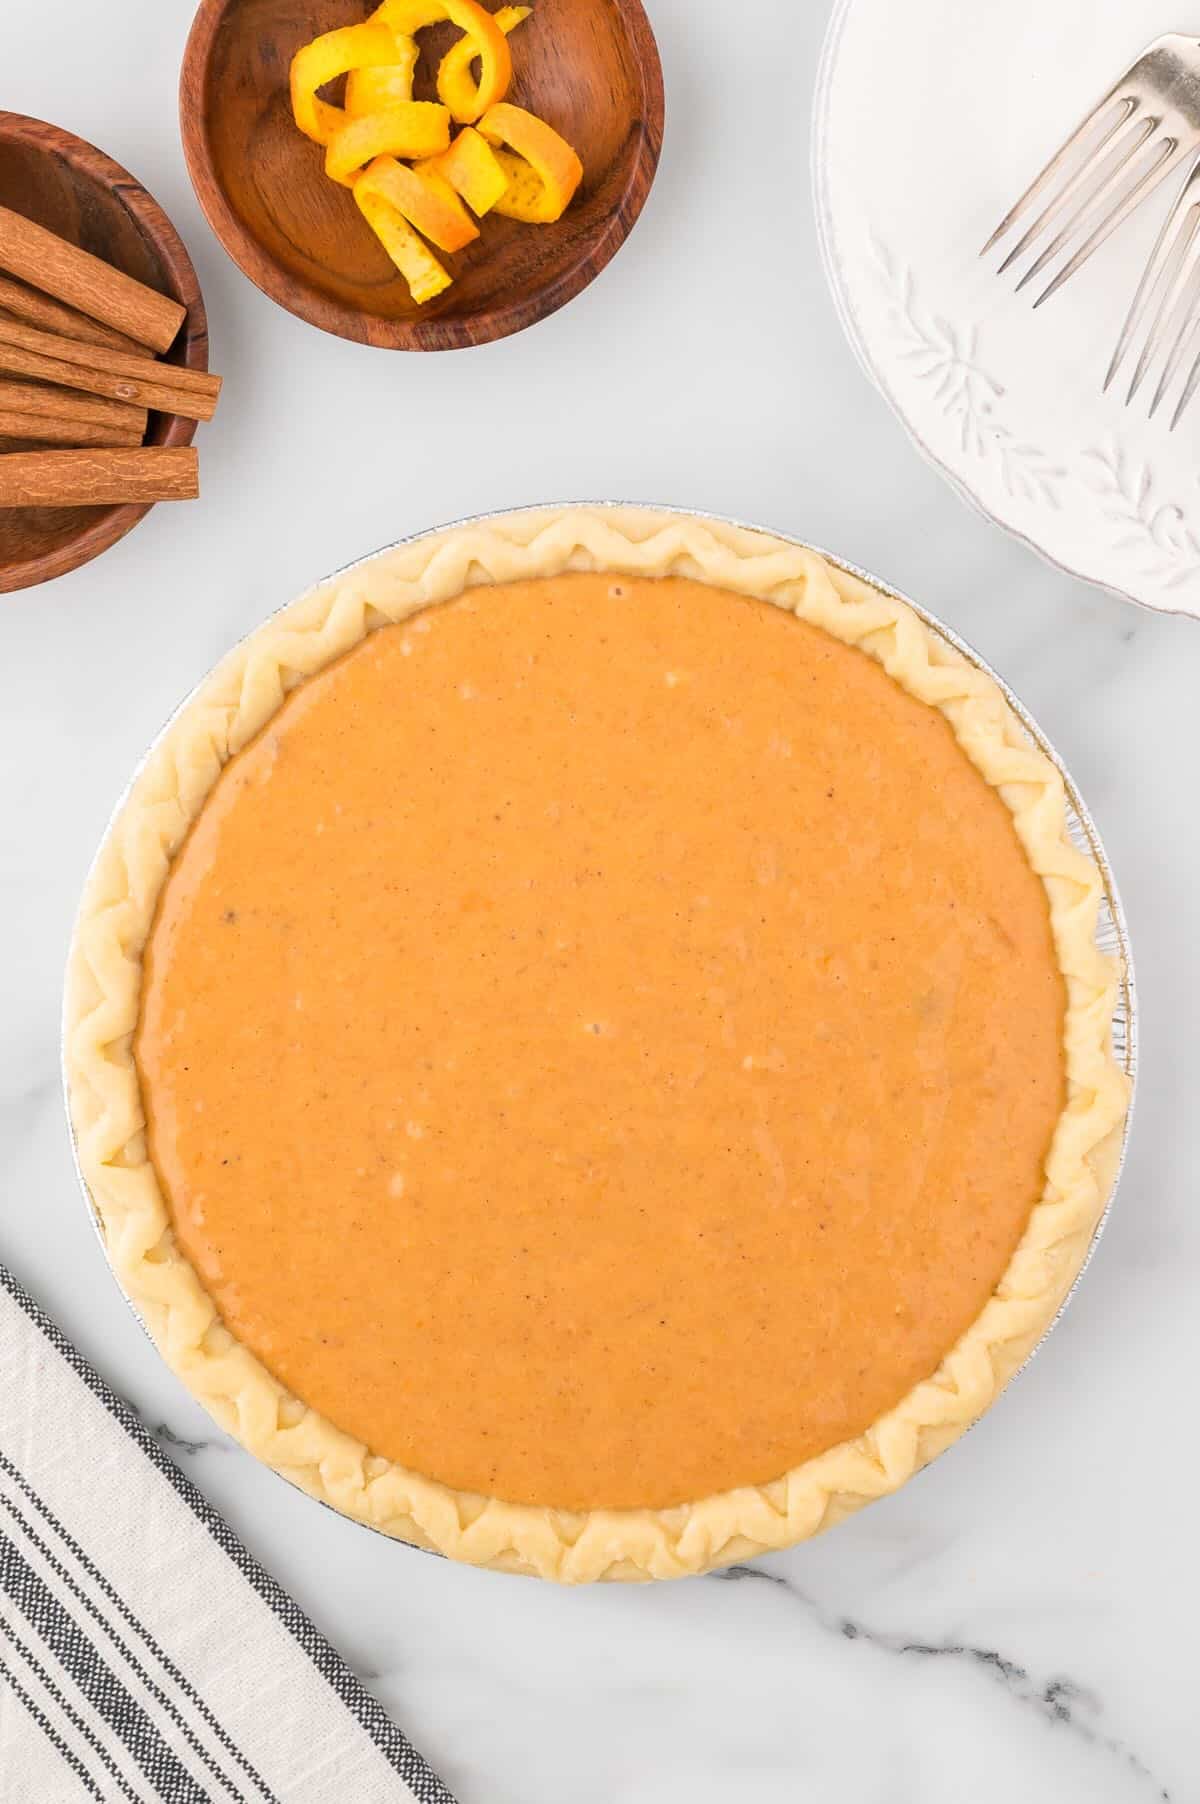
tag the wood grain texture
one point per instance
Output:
(75, 190)
(98, 477)
(589, 67)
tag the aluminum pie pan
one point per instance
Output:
(1112, 933)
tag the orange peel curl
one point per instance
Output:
(412, 257)
(373, 89)
(422, 197)
(457, 87)
(411, 128)
(556, 170)
(334, 53)
(473, 170)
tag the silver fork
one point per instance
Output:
(1173, 272)
(1141, 130)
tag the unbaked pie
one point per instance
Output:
(587, 1043)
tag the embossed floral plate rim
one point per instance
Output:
(1112, 932)
(1162, 527)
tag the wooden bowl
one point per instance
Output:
(53, 177)
(589, 67)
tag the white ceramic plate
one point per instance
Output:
(931, 118)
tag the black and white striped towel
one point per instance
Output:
(144, 1655)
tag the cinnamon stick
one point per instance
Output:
(46, 431)
(99, 477)
(71, 404)
(60, 269)
(119, 363)
(161, 386)
(25, 303)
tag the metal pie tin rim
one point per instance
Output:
(1112, 936)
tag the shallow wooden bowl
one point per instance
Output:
(78, 192)
(589, 67)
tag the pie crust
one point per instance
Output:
(103, 995)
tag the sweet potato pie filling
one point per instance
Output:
(601, 1041)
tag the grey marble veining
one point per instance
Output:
(1057, 1700)
(178, 1445)
(1020, 1622)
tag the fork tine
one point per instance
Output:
(1168, 264)
(1185, 314)
(1189, 389)
(1164, 245)
(1186, 335)
(1177, 269)
(1041, 182)
(1110, 172)
(1092, 167)
(1171, 153)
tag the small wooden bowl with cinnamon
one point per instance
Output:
(590, 68)
(73, 190)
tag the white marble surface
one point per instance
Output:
(1021, 1621)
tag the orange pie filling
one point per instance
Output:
(601, 1041)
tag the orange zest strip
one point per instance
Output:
(410, 16)
(524, 196)
(374, 90)
(411, 128)
(424, 198)
(471, 167)
(456, 84)
(550, 157)
(415, 261)
(352, 47)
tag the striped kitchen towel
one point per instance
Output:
(144, 1655)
